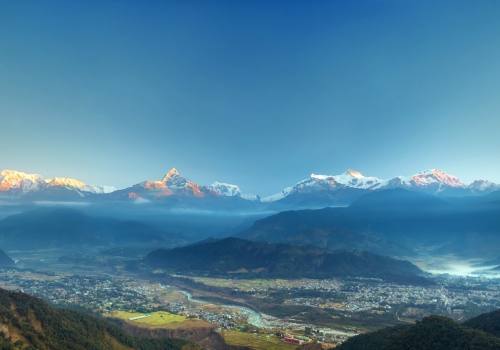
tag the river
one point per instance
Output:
(254, 318)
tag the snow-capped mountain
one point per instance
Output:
(346, 187)
(433, 180)
(174, 187)
(229, 190)
(12, 180)
(323, 183)
(71, 183)
(19, 183)
(177, 190)
(224, 189)
(354, 178)
(172, 184)
(436, 180)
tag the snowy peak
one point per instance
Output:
(75, 184)
(355, 179)
(350, 178)
(224, 189)
(66, 182)
(433, 181)
(436, 177)
(326, 183)
(170, 174)
(317, 188)
(354, 173)
(173, 183)
(19, 181)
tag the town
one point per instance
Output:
(346, 301)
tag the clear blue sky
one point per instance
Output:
(258, 93)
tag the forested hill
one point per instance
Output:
(243, 258)
(433, 333)
(29, 323)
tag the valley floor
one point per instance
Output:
(270, 311)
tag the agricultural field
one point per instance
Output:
(158, 319)
(263, 284)
(256, 341)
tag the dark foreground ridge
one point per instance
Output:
(29, 323)
(434, 333)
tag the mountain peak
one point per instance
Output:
(171, 173)
(18, 180)
(436, 176)
(23, 183)
(19, 175)
(66, 182)
(224, 189)
(354, 173)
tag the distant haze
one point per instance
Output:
(257, 93)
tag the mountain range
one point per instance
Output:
(175, 190)
(17, 183)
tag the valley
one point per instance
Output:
(267, 309)
(249, 175)
(209, 265)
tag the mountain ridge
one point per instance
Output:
(313, 192)
(65, 227)
(243, 258)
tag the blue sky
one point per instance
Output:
(258, 93)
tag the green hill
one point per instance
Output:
(432, 333)
(489, 322)
(29, 323)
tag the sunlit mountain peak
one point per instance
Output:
(18, 180)
(66, 182)
(436, 176)
(354, 173)
(170, 174)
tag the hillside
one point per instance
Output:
(432, 333)
(390, 222)
(29, 323)
(397, 199)
(62, 227)
(489, 322)
(5, 260)
(330, 228)
(244, 258)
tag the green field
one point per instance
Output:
(256, 341)
(153, 319)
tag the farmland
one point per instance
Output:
(256, 341)
(153, 319)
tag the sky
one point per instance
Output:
(257, 93)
